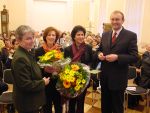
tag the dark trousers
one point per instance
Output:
(36, 111)
(31, 112)
(76, 105)
(112, 100)
(52, 97)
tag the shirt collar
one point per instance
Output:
(118, 31)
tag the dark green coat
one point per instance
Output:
(29, 87)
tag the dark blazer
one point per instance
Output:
(114, 74)
(86, 58)
(29, 87)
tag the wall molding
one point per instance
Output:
(52, 0)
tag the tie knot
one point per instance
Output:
(114, 34)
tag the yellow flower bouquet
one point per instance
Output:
(53, 58)
(73, 80)
(53, 61)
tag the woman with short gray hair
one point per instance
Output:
(28, 89)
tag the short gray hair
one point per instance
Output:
(21, 30)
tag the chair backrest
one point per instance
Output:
(6, 98)
(1, 69)
(142, 71)
(7, 76)
(132, 72)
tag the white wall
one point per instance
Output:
(112, 5)
(17, 13)
(145, 30)
(81, 13)
(42, 14)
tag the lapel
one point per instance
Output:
(109, 40)
(118, 39)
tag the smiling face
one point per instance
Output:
(116, 20)
(79, 37)
(27, 41)
(51, 37)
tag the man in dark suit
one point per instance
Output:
(118, 49)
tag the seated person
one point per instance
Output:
(8, 51)
(145, 73)
(95, 45)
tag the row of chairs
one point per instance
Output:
(132, 74)
(6, 97)
(134, 89)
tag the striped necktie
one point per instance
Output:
(114, 37)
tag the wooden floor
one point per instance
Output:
(88, 108)
(141, 108)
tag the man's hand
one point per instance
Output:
(101, 56)
(111, 57)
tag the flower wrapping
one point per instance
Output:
(73, 80)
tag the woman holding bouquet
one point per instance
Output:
(50, 37)
(78, 52)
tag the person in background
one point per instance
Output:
(5, 36)
(6, 50)
(95, 45)
(117, 50)
(89, 39)
(37, 40)
(145, 72)
(78, 51)
(2, 44)
(98, 39)
(14, 44)
(12, 35)
(28, 84)
(50, 38)
(62, 39)
(1, 37)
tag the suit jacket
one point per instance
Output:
(114, 74)
(86, 58)
(29, 87)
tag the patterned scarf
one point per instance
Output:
(77, 52)
(54, 47)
